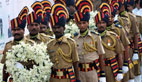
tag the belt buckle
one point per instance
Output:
(59, 73)
(86, 66)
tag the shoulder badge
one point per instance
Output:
(74, 35)
(118, 25)
(94, 32)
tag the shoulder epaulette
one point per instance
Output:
(118, 25)
(94, 32)
(74, 35)
(42, 34)
(8, 42)
(111, 32)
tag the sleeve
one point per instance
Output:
(119, 48)
(140, 26)
(123, 38)
(134, 24)
(75, 57)
(4, 55)
(100, 47)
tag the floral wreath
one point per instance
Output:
(25, 52)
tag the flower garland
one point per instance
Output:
(26, 52)
(92, 24)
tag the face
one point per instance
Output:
(111, 20)
(129, 8)
(43, 28)
(34, 28)
(58, 31)
(18, 33)
(83, 25)
(101, 26)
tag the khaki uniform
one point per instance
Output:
(139, 19)
(8, 46)
(40, 37)
(137, 67)
(87, 57)
(118, 49)
(121, 33)
(62, 61)
(129, 23)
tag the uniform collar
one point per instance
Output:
(17, 42)
(103, 33)
(111, 27)
(36, 36)
(124, 14)
(88, 34)
(62, 39)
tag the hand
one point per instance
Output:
(102, 79)
(119, 77)
(125, 69)
(19, 65)
(135, 57)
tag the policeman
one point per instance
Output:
(62, 50)
(33, 25)
(137, 66)
(89, 46)
(18, 28)
(113, 48)
(128, 21)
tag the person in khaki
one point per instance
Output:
(128, 21)
(62, 50)
(115, 27)
(89, 46)
(44, 16)
(137, 65)
(33, 25)
(113, 49)
(18, 29)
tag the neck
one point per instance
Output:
(33, 36)
(84, 33)
(58, 37)
(102, 33)
(17, 40)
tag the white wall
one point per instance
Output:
(10, 9)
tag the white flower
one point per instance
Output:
(25, 52)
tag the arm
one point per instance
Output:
(75, 65)
(102, 64)
(75, 59)
(100, 52)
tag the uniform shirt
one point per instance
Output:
(121, 33)
(57, 60)
(40, 37)
(129, 23)
(118, 47)
(9, 45)
(84, 56)
(139, 20)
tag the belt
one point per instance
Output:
(85, 67)
(65, 73)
